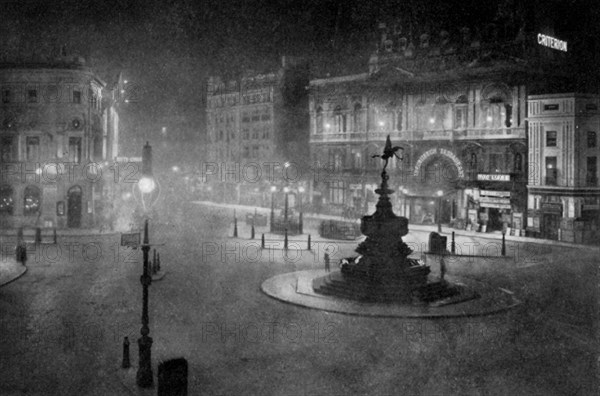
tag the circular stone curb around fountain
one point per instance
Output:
(296, 288)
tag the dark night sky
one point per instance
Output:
(169, 48)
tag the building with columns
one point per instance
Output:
(563, 188)
(59, 127)
(456, 102)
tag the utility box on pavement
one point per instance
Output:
(172, 377)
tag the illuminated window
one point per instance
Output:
(32, 148)
(550, 138)
(336, 192)
(6, 200)
(340, 120)
(551, 171)
(74, 149)
(31, 201)
(319, 117)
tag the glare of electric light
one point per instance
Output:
(550, 166)
(286, 165)
(327, 126)
(273, 188)
(286, 190)
(440, 193)
(381, 123)
(52, 169)
(489, 119)
(125, 81)
(404, 191)
(432, 120)
(301, 189)
(126, 100)
(38, 171)
(175, 168)
(146, 185)
(127, 195)
(122, 91)
(431, 203)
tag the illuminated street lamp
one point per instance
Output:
(439, 193)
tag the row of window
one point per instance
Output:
(51, 94)
(9, 148)
(32, 198)
(551, 139)
(591, 176)
(493, 115)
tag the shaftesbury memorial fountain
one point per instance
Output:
(383, 272)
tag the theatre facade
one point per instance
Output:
(459, 111)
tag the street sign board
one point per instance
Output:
(131, 239)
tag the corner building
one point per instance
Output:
(58, 129)
(456, 103)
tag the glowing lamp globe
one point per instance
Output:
(146, 185)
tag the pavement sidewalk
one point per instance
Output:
(10, 270)
(242, 210)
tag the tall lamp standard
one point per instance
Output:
(439, 193)
(286, 190)
(273, 189)
(144, 377)
(300, 220)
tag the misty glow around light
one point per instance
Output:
(273, 188)
(286, 190)
(440, 193)
(146, 185)
(301, 189)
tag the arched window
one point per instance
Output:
(340, 120)
(439, 114)
(6, 200)
(31, 201)
(319, 117)
(518, 163)
(461, 109)
(358, 117)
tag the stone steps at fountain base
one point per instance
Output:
(336, 285)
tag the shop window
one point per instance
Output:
(591, 139)
(551, 171)
(75, 149)
(550, 138)
(77, 97)
(31, 201)
(592, 171)
(6, 200)
(32, 148)
(7, 149)
(336, 192)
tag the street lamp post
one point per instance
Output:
(144, 377)
(273, 189)
(286, 190)
(440, 193)
(300, 220)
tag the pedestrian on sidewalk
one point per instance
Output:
(21, 252)
(327, 266)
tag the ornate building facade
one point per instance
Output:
(457, 105)
(254, 126)
(563, 189)
(58, 128)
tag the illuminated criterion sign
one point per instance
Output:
(551, 42)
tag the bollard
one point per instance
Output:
(262, 241)
(503, 244)
(54, 236)
(285, 240)
(157, 261)
(126, 362)
(442, 269)
(453, 245)
(38, 235)
(326, 260)
(252, 231)
(308, 243)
